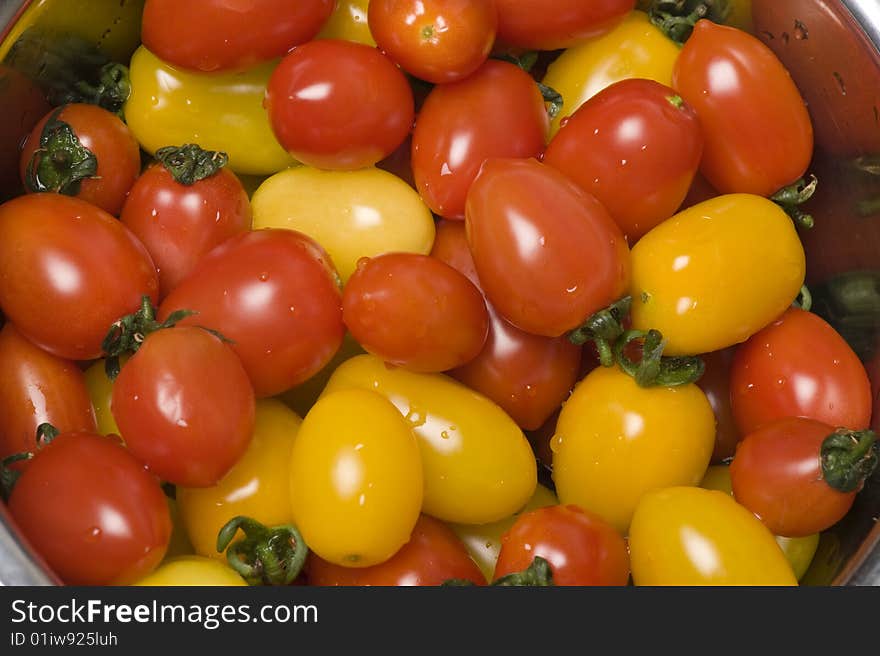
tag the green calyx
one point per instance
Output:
(654, 369)
(45, 433)
(790, 199)
(526, 62)
(804, 299)
(848, 458)
(61, 162)
(603, 329)
(264, 556)
(110, 90)
(538, 574)
(676, 18)
(189, 163)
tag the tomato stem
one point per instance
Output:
(538, 574)
(9, 476)
(848, 458)
(61, 162)
(189, 163)
(676, 18)
(790, 199)
(553, 98)
(265, 556)
(804, 299)
(525, 61)
(654, 370)
(603, 329)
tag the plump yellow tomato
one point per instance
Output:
(256, 487)
(616, 441)
(352, 214)
(483, 541)
(349, 22)
(478, 465)
(218, 111)
(798, 551)
(355, 478)
(634, 49)
(100, 390)
(716, 273)
(192, 571)
(692, 536)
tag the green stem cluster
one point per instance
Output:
(264, 556)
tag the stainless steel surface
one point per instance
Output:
(867, 13)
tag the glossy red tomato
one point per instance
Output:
(275, 294)
(68, 270)
(415, 311)
(434, 554)
(35, 388)
(555, 24)
(496, 112)
(715, 384)
(582, 549)
(435, 40)
(547, 253)
(50, 161)
(92, 511)
(758, 134)
(799, 366)
(184, 406)
(181, 223)
(214, 35)
(529, 376)
(636, 147)
(339, 105)
(777, 474)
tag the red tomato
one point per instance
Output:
(92, 511)
(339, 105)
(529, 376)
(496, 112)
(415, 311)
(179, 224)
(715, 384)
(435, 40)
(68, 270)
(184, 406)
(582, 549)
(777, 474)
(434, 554)
(275, 294)
(48, 160)
(634, 135)
(555, 24)
(799, 366)
(758, 135)
(547, 253)
(214, 35)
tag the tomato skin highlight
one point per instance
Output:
(759, 137)
(415, 311)
(582, 549)
(339, 105)
(54, 288)
(496, 112)
(184, 406)
(547, 253)
(777, 474)
(92, 511)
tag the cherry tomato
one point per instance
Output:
(778, 474)
(636, 134)
(547, 253)
(52, 158)
(496, 112)
(192, 571)
(415, 311)
(529, 376)
(758, 134)
(36, 388)
(799, 366)
(68, 271)
(435, 40)
(92, 511)
(715, 384)
(433, 555)
(275, 294)
(555, 24)
(184, 406)
(214, 35)
(582, 549)
(336, 104)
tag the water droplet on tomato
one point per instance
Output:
(93, 534)
(564, 122)
(264, 277)
(182, 423)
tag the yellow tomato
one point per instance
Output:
(692, 536)
(256, 487)
(348, 21)
(100, 392)
(478, 465)
(355, 479)
(483, 541)
(192, 571)
(218, 111)
(352, 214)
(715, 274)
(616, 441)
(634, 49)
(718, 478)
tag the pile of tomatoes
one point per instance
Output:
(386, 262)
